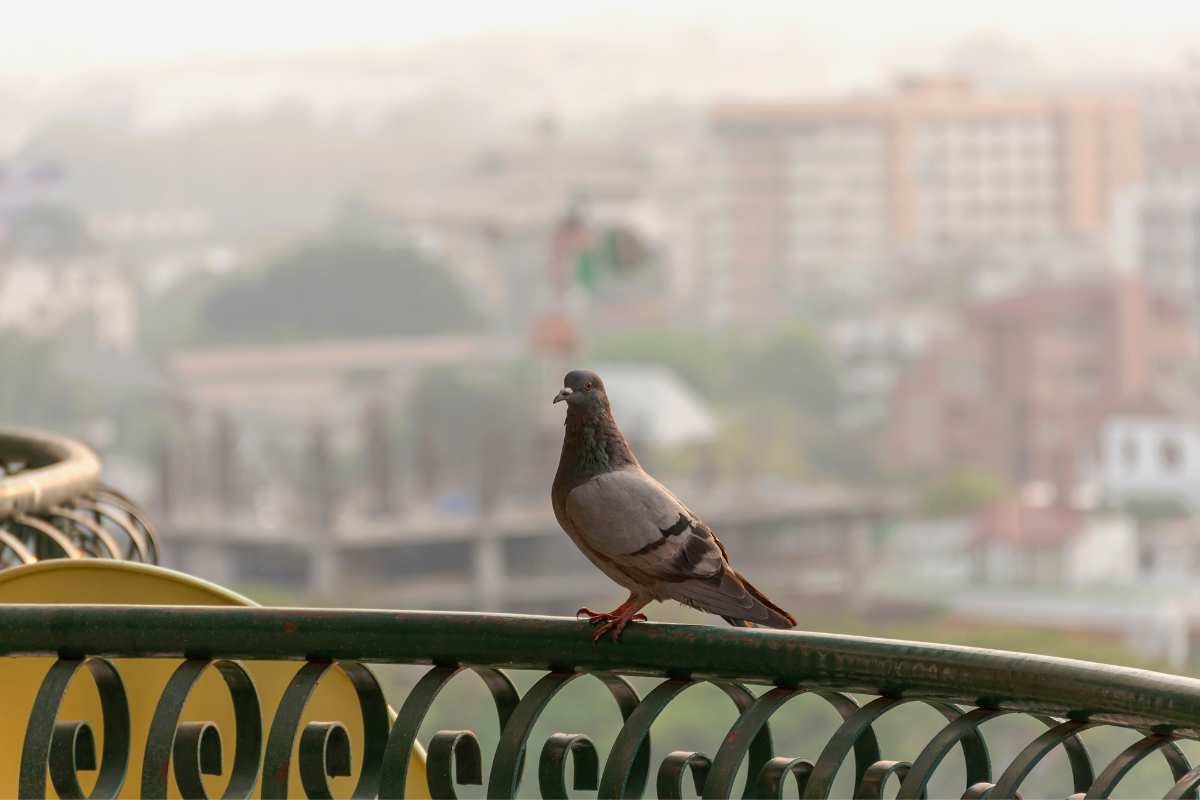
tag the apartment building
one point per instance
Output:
(1156, 232)
(1023, 389)
(803, 191)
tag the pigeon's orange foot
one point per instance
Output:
(615, 626)
(610, 621)
(596, 617)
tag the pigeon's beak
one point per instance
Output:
(563, 395)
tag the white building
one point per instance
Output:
(1150, 455)
(935, 550)
(656, 406)
(1169, 104)
(872, 349)
(1019, 543)
(1156, 231)
(1170, 553)
(41, 299)
(1105, 551)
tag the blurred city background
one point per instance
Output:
(905, 303)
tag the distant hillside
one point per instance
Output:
(277, 172)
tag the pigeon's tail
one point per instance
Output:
(733, 598)
(776, 616)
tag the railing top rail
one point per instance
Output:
(990, 678)
(56, 469)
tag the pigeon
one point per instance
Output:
(634, 530)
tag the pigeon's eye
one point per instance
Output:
(587, 387)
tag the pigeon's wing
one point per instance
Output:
(630, 518)
(633, 521)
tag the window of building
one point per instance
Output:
(1170, 453)
(1146, 558)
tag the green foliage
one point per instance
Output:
(469, 429)
(790, 365)
(769, 441)
(845, 455)
(961, 492)
(32, 390)
(776, 393)
(337, 289)
(1150, 509)
(701, 358)
(46, 230)
(169, 319)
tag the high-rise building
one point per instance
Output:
(805, 190)
(1170, 105)
(1156, 232)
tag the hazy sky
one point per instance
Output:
(52, 38)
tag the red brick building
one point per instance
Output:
(1021, 390)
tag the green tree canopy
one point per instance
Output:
(1151, 509)
(46, 230)
(790, 366)
(776, 392)
(35, 391)
(961, 492)
(337, 289)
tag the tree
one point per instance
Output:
(171, 318)
(1151, 509)
(34, 391)
(792, 366)
(46, 230)
(701, 358)
(776, 394)
(466, 425)
(337, 289)
(961, 493)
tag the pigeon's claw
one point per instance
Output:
(605, 628)
(595, 616)
(613, 621)
(615, 626)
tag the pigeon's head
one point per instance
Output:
(581, 387)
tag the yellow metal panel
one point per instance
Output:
(102, 581)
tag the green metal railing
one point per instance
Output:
(861, 679)
(53, 505)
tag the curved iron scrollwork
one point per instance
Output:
(195, 747)
(265, 741)
(64, 747)
(325, 746)
(403, 738)
(53, 505)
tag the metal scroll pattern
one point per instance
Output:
(99, 523)
(56, 751)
